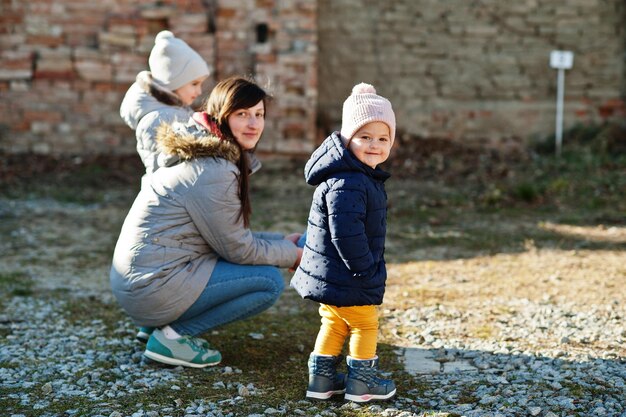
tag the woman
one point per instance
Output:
(186, 260)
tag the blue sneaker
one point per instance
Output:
(363, 385)
(324, 381)
(143, 334)
(184, 351)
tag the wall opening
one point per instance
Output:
(262, 33)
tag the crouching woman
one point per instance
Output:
(186, 260)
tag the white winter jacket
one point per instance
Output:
(144, 113)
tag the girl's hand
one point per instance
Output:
(294, 237)
(295, 266)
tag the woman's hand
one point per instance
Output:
(295, 266)
(294, 237)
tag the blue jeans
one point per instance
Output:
(234, 292)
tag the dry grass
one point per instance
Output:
(585, 277)
(487, 290)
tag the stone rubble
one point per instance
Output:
(47, 358)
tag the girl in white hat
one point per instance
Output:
(164, 94)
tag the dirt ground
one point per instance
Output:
(485, 253)
(440, 251)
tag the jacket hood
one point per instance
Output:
(332, 158)
(143, 97)
(190, 140)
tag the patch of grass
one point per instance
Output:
(279, 361)
(16, 283)
(6, 403)
(69, 179)
(527, 192)
(468, 394)
(79, 309)
(82, 405)
(8, 365)
(578, 390)
(426, 296)
(605, 138)
(164, 396)
(484, 332)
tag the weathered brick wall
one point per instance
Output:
(454, 69)
(474, 69)
(66, 64)
(285, 63)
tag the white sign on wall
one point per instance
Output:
(561, 59)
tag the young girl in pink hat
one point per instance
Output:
(343, 264)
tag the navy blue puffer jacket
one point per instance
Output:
(343, 261)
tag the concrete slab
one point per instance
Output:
(424, 361)
(419, 361)
(459, 366)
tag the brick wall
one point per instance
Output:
(276, 41)
(474, 69)
(66, 64)
(455, 69)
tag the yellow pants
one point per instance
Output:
(359, 322)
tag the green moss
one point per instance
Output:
(16, 283)
(8, 404)
(86, 309)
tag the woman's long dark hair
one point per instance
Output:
(228, 96)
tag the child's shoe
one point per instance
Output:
(184, 351)
(363, 384)
(143, 334)
(324, 381)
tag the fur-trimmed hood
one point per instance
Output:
(190, 140)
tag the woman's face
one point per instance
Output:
(247, 125)
(190, 91)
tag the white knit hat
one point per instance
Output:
(173, 63)
(364, 106)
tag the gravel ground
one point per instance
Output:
(550, 357)
(66, 360)
(515, 377)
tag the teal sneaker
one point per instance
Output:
(143, 334)
(185, 351)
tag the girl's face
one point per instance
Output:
(371, 144)
(190, 91)
(247, 125)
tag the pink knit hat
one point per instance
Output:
(364, 106)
